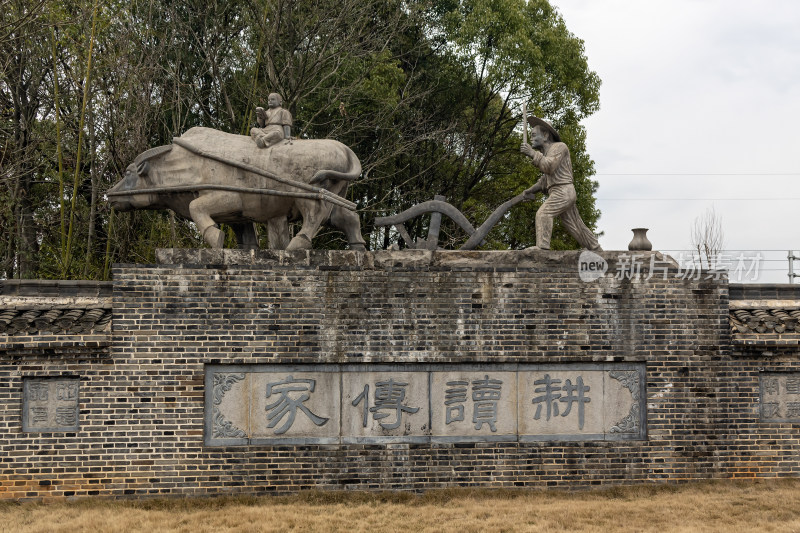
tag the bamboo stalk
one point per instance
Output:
(93, 203)
(524, 123)
(57, 105)
(68, 251)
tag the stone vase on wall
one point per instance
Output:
(640, 241)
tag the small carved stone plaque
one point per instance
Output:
(50, 404)
(347, 404)
(780, 397)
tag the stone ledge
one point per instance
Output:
(765, 340)
(764, 291)
(55, 288)
(403, 259)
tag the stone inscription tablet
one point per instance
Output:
(50, 404)
(330, 404)
(780, 397)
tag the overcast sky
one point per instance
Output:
(699, 108)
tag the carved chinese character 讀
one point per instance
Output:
(454, 399)
(389, 395)
(485, 394)
(550, 395)
(571, 398)
(300, 391)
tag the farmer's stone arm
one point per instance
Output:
(550, 162)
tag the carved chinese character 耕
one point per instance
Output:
(293, 393)
(553, 394)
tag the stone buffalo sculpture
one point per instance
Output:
(215, 177)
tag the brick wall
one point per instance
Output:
(142, 398)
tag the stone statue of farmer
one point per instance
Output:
(556, 181)
(274, 124)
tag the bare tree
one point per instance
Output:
(708, 238)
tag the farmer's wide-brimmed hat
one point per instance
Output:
(536, 121)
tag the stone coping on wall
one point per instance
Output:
(414, 259)
(55, 288)
(764, 291)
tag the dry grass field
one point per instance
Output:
(770, 506)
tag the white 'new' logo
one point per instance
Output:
(591, 266)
